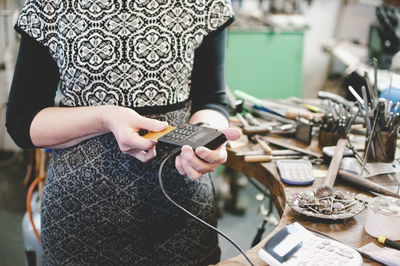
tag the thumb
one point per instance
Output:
(232, 133)
(152, 124)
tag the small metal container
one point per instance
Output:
(327, 138)
(384, 144)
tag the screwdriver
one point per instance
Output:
(388, 243)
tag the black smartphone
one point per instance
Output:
(188, 134)
(194, 136)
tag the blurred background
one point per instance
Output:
(275, 49)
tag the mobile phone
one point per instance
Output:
(188, 134)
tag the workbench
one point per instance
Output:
(350, 231)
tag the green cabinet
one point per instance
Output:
(265, 64)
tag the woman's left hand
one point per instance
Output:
(203, 160)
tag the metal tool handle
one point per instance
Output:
(364, 183)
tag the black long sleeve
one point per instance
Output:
(36, 78)
(33, 88)
(208, 75)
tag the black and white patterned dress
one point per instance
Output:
(100, 206)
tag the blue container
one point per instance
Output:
(394, 95)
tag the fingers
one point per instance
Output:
(188, 163)
(232, 133)
(217, 156)
(152, 124)
(125, 126)
(143, 156)
(178, 165)
(133, 143)
(196, 163)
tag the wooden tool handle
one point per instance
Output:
(294, 114)
(366, 184)
(335, 163)
(281, 143)
(261, 129)
(257, 158)
(264, 145)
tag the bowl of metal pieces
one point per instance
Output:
(332, 206)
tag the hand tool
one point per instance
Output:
(269, 158)
(332, 169)
(388, 94)
(242, 120)
(251, 119)
(381, 109)
(370, 91)
(375, 62)
(388, 243)
(303, 131)
(291, 147)
(371, 135)
(394, 114)
(368, 121)
(266, 148)
(269, 116)
(235, 105)
(366, 108)
(262, 129)
(313, 107)
(364, 183)
(335, 97)
(356, 154)
(273, 153)
(268, 105)
(356, 95)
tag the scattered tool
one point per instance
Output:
(356, 154)
(269, 158)
(262, 129)
(269, 116)
(291, 147)
(304, 130)
(338, 118)
(266, 148)
(356, 95)
(251, 119)
(273, 152)
(273, 106)
(365, 183)
(336, 98)
(326, 189)
(375, 91)
(369, 145)
(388, 243)
(242, 120)
(312, 106)
(372, 95)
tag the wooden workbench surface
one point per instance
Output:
(350, 231)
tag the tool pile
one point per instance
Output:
(331, 117)
(338, 118)
(337, 206)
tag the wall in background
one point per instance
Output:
(8, 49)
(321, 17)
(330, 20)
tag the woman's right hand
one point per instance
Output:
(125, 124)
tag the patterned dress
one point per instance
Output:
(100, 206)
